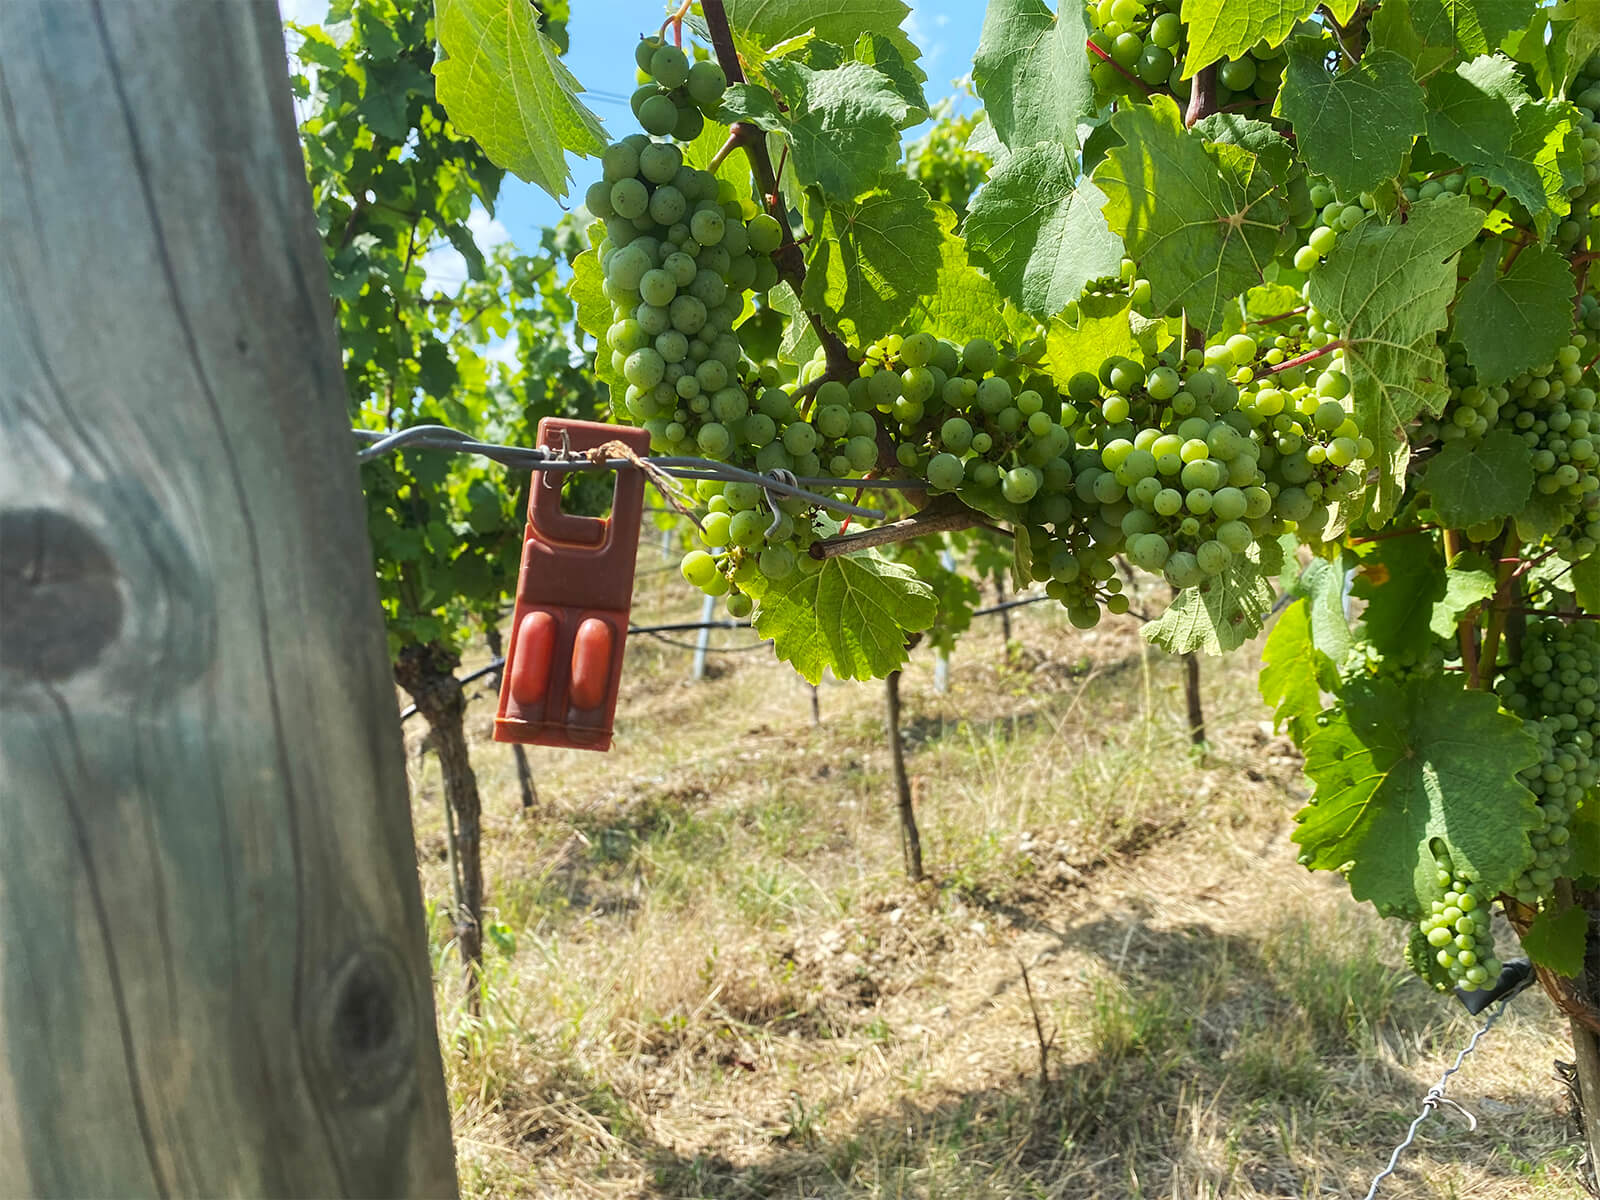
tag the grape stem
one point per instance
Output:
(787, 257)
(1284, 316)
(1094, 48)
(945, 514)
(1202, 96)
(1467, 627)
(1301, 360)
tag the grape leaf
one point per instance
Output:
(1481, 115)
(843, 124)
(1400, 580)
(963, 303)
(1468, 485)
(1101, 330)
(1038, 232)
(769, 23)
(1322, 583)
(1586, 584)
(1470, 581)
(1292, 669)
(1513, 321)
(1261, 139)
(871, 257)
(1225, 611)
(1402, 764)
(1354, 125)
(594, 309)
(850, 615)
(1202, 220)
(504, 85)
(1032, 73)
(800, 341)
(1392, 28)
(1475, 26)
(1227, 28)
(906, 77)
(1556, 44)
(1386, 287)
(1585, 841)
(1559, 941)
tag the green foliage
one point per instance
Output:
(852, 614)
(1388, 287)
(393, 181)
(1355, 126)
(505, 85)
(1485, 482)
(1403, 765)
(1036, 228)
(1031, 72)
(1202, 219)
(1510, 319)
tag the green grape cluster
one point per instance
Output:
(1457, 928)
(1578, 228)
(1416, 659)
(675, 95)
(1553, 409)
(1142, 44)
(1555, 689)
(1322, 219)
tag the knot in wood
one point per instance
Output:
(365, 1027)
(60, 595)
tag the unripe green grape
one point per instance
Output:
(979, 357)
(656, 288)
(658, 114)
(707, 226)
(800, 438)
(917, 385)
(956, 435)
(644, 368)
(670, 66)
(1236, 74)
(1306, 259)
(918, 349)
(730, 404)
(1009, 419)
(1166, 30)
(698, 568)
(944, 472)
(1039, 424)
(714, 439)
(629, 198)
(765, 233)
(1125, 49)
(1021, 484)
(982, 443)
(619, 161)
(706, 83)
(688, 125)
(832, 420)
(667, 205)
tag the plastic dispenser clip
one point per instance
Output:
(574, 591)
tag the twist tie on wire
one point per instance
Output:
(671, 491)
(782, 475)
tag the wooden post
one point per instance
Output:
(213, 968)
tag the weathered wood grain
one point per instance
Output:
(213, 971)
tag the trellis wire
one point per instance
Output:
(1436, 1096)
(543, 458)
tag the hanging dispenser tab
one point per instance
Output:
(574, 590)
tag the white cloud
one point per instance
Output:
(444, 267)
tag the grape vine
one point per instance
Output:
(1255, 297)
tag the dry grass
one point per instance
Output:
(721, 985)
